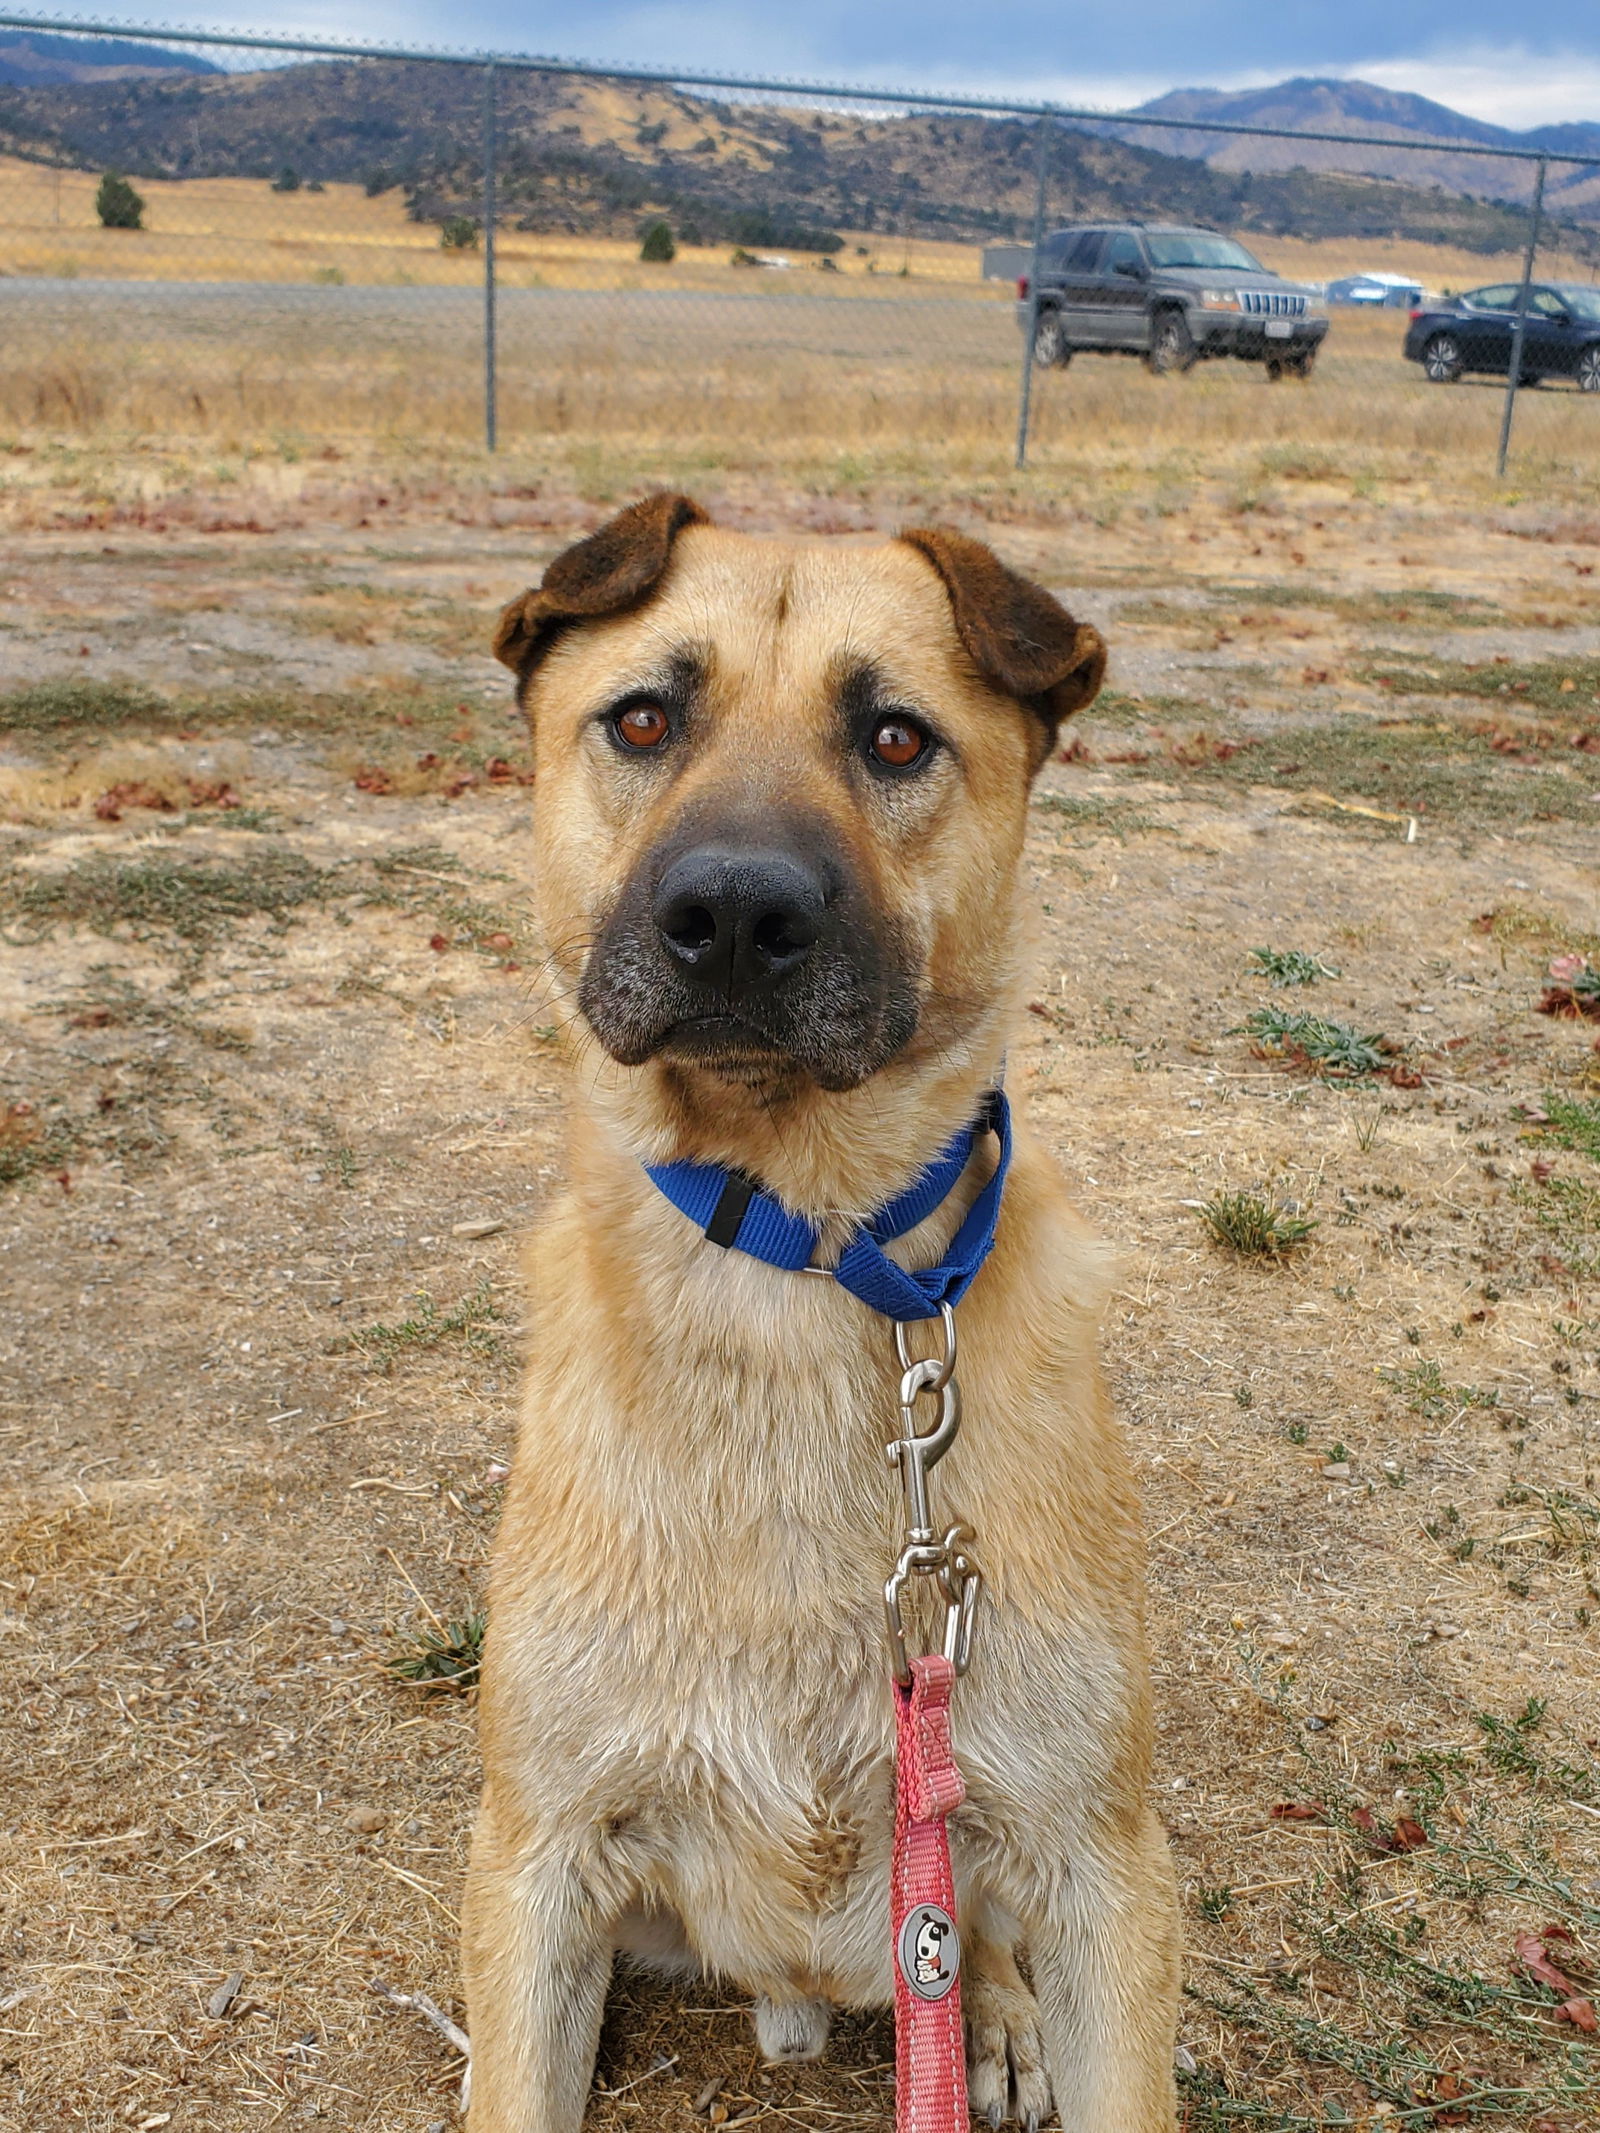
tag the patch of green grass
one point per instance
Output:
(1423, 1388)
(1232, 603)
(1112, 708)
(1118, 818)
(1426, 769)
(1329, 1048)
(1290, 966)
(1568, 1211)
(450, 1657)
(1254, 1226)
(31, 1142)
(45, 706)
(263, 821)
(1363, 2003)
(470, 1323)
(194, 899)
(1534, 682)
(415, 716)
(1573, 1123)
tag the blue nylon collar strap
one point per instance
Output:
(735, 1213)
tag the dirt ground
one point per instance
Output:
(278, 1094)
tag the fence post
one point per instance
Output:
(490, 380)
(1025, 390)
(1520, 328)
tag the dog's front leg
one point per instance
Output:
(1105, 1963)
(536, 1947)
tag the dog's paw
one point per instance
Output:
(1006, 2075)
(791, 2029)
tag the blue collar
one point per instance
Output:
(737, 1214)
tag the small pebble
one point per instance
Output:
(1336, 1470)
(707, 2096)
(489, 1226)
(366, 1821)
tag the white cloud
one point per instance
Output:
(1508, 86)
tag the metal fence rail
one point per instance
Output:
(307, 306)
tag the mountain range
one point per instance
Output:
(33, 57)
(1330, 106)
(590, 153)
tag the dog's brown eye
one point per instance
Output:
(898, 743)
(642, 725)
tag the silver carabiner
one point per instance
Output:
(916, 1455)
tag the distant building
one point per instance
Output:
(1398, 292)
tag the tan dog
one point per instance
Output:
(782, 791)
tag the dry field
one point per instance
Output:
(124, 397)
(240, 229)
(278, 1094)
(244, 321)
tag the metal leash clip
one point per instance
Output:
(948, 1561)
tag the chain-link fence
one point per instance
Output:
(299, 242)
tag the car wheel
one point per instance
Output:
(1589, 371)
(1051, 348)
(1275, 369)
(1172, 346)
(1300, 366)
(1441, 359)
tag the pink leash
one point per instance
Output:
(930, 2046)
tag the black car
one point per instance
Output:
(1170, 294)
(1561, 334)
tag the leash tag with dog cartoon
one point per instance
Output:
(929, 1951)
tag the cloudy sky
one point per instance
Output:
(1104, 55)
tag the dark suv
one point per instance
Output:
(1169, 294)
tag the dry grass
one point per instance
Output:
(823, 392)
(251, 1113)
(863, 374)
(240, 229)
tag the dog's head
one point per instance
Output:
(781, 794)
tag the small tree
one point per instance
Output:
(117, 204)
(287, 180)
(658, 246)
(459, 233)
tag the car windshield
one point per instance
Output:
(1198, 248)
(1585, 302)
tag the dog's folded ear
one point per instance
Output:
(606, 574)
(1019, 637)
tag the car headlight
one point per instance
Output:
(1219, 300)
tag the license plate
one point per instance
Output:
(1279, 329)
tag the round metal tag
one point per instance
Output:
(929, 1951)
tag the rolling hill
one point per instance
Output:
(29, 56)
(1362, 107)
(588, 154)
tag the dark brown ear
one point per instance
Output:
(1019, 638)
(604, 575)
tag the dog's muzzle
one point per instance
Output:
(749, 955)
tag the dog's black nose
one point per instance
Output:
(738, 921)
